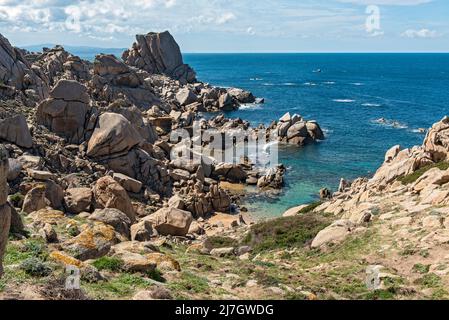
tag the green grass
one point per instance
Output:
(421, 268)
(190, 282)
(222, 242)
(17, 253)
(108, 263)
(411, 178)
(310, 207)
(430, 280)
(122, 286)
(286, 232)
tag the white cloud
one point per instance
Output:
(387, 2)
(423, 33)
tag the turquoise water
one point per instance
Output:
(351, 92)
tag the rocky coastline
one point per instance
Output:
(91, 162)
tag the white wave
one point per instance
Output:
(255, 79)
(268, 84)
(312, 84)
(344, 100)
(357, 84)
(289, 84)
(390, 123)
(250, 106)
(329, 82)
(371, 105)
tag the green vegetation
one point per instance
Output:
(421, 268)
(17, 199)
(108, 263)
(122, 286)
(190, 282)
(222, 242)
(35, 267)
(411, 178)
(430, 280)
(310, 207)
(286, 232)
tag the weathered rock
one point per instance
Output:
(130, 184)
(113, 217)
(159, 53)
(273, 178)
(223, 252)
(17, 225)
(437, 140)
(14, 170)
(171, 221)
(108, 193)
(67, 110)
(220, 199)
(15, 129)
(48, 233)
(226, 102)
(113, 80)
(141, 231)
(35, 199)
(242, 96)
(5, 211)
(135, 117)
(230, 172)
(93, 242)
(135, 262)
(335, 233)
(15, 71)
(41, 175)
(185, 97)
(294, 211)
(113, 134)
(78, 200)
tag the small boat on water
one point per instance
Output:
(317, 71)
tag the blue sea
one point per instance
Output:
(352, 91)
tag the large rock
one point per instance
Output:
(16, 72)
(113, 217)
(35, 199)
(114, 80)
(159, 53)
(230, 172)
(134, 115)
(5, 212)
(66, 112)
(14, 129)
(113, 134)
(185, 97)
(78, 200)
(335, 233)
(108, 193)
(93, 242)
(171, 221)
(437, 140)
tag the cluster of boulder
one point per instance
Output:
(295, 130)
(88, 157)
(410, 191)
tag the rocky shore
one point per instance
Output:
(92, 167)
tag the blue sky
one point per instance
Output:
(234, 25)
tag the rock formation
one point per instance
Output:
(159, 53)
(16, 72)
(67, 111)
(295, 130)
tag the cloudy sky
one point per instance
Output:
(234, 25)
